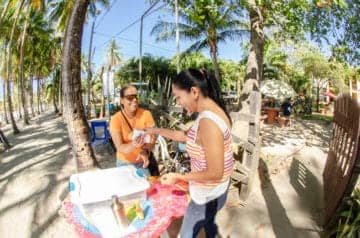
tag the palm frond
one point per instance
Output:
(196, 47)
(232, 35)
(161, 27)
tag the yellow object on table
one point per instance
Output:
(134, 211)
(139, 211)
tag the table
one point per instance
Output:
(168, 203)
(272, 114)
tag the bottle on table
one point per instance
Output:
(118, 209)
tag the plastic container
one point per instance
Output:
(92, 191)
(100, 185)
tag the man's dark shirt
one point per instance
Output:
(286, 108)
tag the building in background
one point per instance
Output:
(354, 87)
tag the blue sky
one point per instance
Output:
(121, 15)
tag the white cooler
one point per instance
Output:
(92, 192)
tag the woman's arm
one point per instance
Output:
(212, 140)
(170, 134)
(124, 147)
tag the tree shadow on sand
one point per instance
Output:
(46, 168)
(314, 133)
(280, 222)
(308, 188)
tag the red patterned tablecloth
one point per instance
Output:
(169, 203)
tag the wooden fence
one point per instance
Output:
(343, 162)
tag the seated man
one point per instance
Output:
(284, 119)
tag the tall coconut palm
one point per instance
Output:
(22, 86)
(10, 45)
(52, 88)
(71, 76)
(4, 38)
(208, 23)
(9, 64)
(113, 59)
(6, 5)
(60, 12)
(32, 17)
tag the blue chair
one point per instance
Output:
(99, 133)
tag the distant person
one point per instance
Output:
(131, 150)
(4, 140)
(285, 112)
(111, 108)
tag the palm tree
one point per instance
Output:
(34, 18)
(207, 22)
(73, 108)
(60, 12)
(8, 66)
(9, 5)
(4, 28)
(113, 59)
(22, 87)
(52, 88)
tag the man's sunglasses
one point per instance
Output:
(131, 97)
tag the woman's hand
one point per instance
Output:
(169, 179)
(144, 157)
(138, 142)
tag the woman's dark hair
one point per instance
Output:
(123, 89)
(207, 83)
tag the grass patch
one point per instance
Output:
(318, 117)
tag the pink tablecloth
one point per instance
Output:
(169, 202)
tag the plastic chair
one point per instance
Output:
(99, 133)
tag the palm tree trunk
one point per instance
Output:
(31, 95)
(19, 101)
(22, 77)
(41, 94)
(213, 52)
(10, 106)
(89, 71)
(8, 66)
(38, 95)
(216, 65)
(60, 97)
(248, 117)
(5, 9)
(78, 128)
(56, 110)
(4, 103)
(102, 106)
(318, 98)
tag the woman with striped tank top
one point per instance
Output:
(208, 143)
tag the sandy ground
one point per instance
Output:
(286, 200)
(287, 197)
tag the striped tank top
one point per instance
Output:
(202, 192)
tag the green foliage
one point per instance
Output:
(59, 11)
(349, 221)
(232, 75)
(156, 71)
(339, 23)
(205, 23)
(194, 60)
